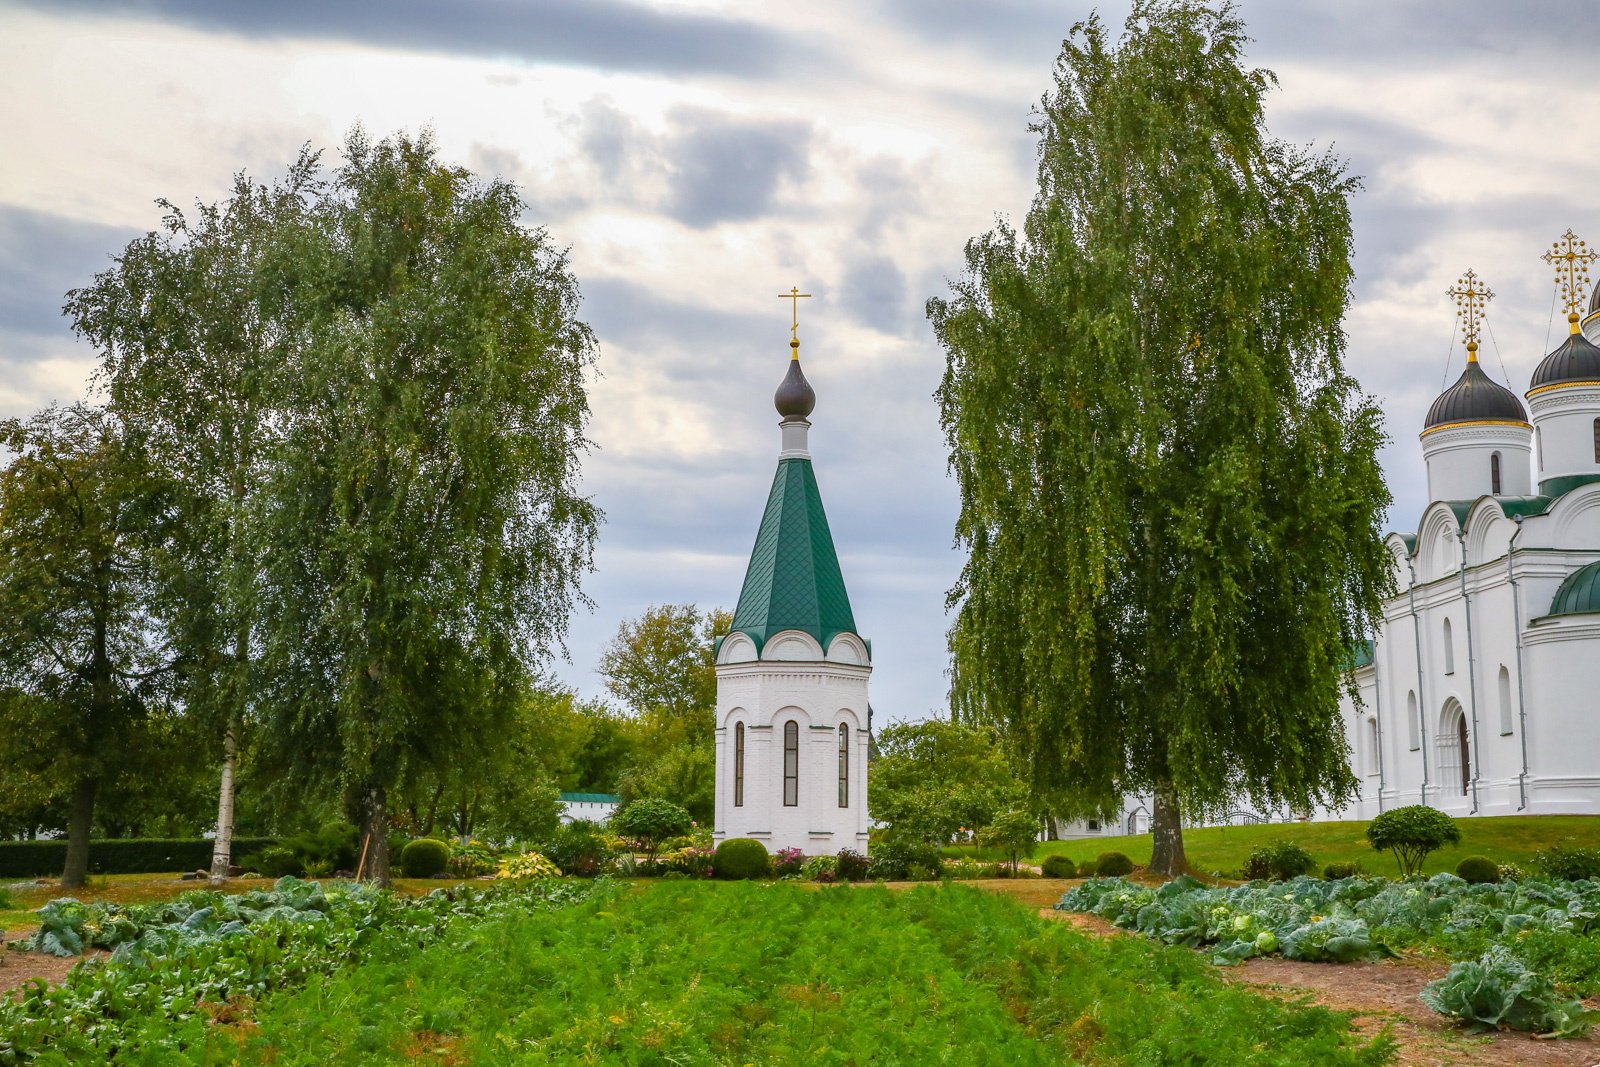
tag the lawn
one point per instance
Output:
(1223, 849)
(698, 972)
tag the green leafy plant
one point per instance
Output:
(527, 865)
(891, 861)
(821, 869)
(1058, 866)
(1510, 872)
(1478, 870)
(1497, 992)
(852, 865)
(1411, 833)
(741, 857)
(424, 858)
(1112, 865)
(650, 821)
(471, 859)
(1336, 871)
(275, 861)
(1568, 862)
(580, 848)
(1014, 833)
(1280, 860)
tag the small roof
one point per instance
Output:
(1475, 397)
(590, 798)
(1579, 593)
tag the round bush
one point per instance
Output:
(1411, 833)
(1112, 865)
(741, 857)
(1478, 869)
(276, 862)
(424, 858)
(1280, 860)
(1058, 867)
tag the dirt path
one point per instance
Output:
(1385, 994)
(17, 969)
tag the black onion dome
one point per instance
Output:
(1594, 299)
(1575, 360)
(1475, 398)
(795, 398)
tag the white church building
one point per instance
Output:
(1480, 692)
(792, 714)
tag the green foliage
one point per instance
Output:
(1497, 992)
(740, 858)
(692, 972)
(579, 848)
(1058, 867)
(1013, 833)
(936, 777)
(1335, 871)
(1112, 865)
(1281, 860)
(1411, 833)
(424, 858)
(650, 821)
(172, 962)
(786, 862)
(1478, 870)
(274, 861)
(1171, 498)
(852, 865)
(527, 865)
(893, 860)
(470, 859)
(1568, 862)
(29, 859)
(821, 869)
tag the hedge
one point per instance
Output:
(30, 859)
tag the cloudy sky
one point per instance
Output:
(701, 157)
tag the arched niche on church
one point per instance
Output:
(1488, 532)
(737, 648)
(796, 645)
(1399, 560)
(848, 648)
(1438, 551)
(1575, 520)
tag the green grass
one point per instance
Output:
(1509, 839)
(700, 973)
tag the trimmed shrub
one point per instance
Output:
(424, 858)
(651, 821)
(1279, 861)
(1411, 833)
(741, 857)
(1335, 871)
(1058, 867)
(1112, 865)
(579, 848)
(1478, 870)
(1568, 863)
(30, 859)
(891, 861)
(852, 865)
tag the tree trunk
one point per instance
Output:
(375, 832)
(79, 822)
(222, 852)
(1166, 830)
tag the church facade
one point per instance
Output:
(1480, 691)
(792, 716)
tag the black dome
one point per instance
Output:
(1594, 298)
(795, 398)
(1576, 360)
(1475, 398)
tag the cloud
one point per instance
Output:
(874, 291)
(608, 34)
(42, 255)
(728, 169)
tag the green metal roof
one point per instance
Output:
(1360, 656)
(590, 798)
(1579, 593)
(794, 582)
(1565, 484)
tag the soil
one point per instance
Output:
(1384, 995)
(17, 969)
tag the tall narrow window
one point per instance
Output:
(1372, 745)
(1466, 752)
(1449, 649)
(1538, 448)
(1505, 701)
(1413, 722)
(844, 765)
(791, 764)
(1597, 440)
(738, 765)
(1494, 464)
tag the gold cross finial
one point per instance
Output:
(1470, 295)
(794, 296)
(1571, 258)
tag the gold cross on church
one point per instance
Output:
(794, 296)
(1571, 258)
(1470, 295)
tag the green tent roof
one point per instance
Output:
(794, 582)
(1579, 593)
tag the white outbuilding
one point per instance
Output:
(792, 714)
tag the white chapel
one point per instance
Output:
(792, 713)
(1480, 692)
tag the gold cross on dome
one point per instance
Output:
(1571, 258)
(794, 296)
(1470, 295)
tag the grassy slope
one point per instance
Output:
(1511, 839)
(694, 972)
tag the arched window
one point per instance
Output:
(1494, 465)
(1413, 722)
(1449, 649)
(1505, 700)
(1455, 753)
(738, 765)
(1372, 745)
(844, 766)
(791, 764)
